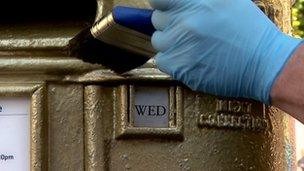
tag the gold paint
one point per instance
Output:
(37, 36)
(236, 115)
(203, 148)
(103, 8)
(59, 65)
(233, 106)
(65, 127)
(38, 125)
(98, 126)
(224, 120)
(280, 12)
(39, 130)
(93, 128)
(107, 76)
(79, 111)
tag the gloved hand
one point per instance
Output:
(221, 47)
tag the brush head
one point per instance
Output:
(84, 46)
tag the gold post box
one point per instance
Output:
(85, 117)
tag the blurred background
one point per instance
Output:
(298, 18)
(298, 26)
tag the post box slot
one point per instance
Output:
(47, 11)
(42, 25)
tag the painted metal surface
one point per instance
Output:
(80, 112)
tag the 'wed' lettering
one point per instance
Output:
(150, 110)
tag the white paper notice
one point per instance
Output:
(151, 107)
(14, 134)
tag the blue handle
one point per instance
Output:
(134, 18)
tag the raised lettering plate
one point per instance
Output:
(14, 133)
(150, 107)
(235, 114)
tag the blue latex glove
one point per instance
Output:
(221, 47)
